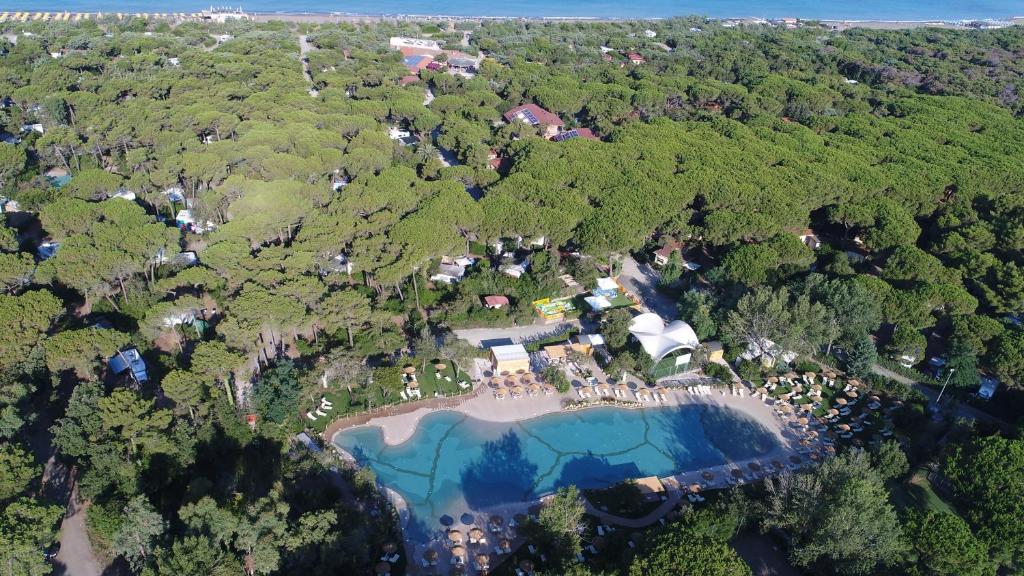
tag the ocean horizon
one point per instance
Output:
(863, 10)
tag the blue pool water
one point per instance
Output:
(453, 464)
(822, 9)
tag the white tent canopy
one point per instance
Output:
(660, 340)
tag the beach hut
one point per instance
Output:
(510, 358)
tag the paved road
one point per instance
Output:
(642, 280)
(960, 410)
(487, 337)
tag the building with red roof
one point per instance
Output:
(635, 58)
(495, 302)
(410, 79)
(534, 115)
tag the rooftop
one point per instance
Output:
(509, 352)
(533, 115)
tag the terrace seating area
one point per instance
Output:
(518, 385)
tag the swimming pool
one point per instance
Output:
(453, 463)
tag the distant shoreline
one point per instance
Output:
(332, 17)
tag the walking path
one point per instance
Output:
(959, 409)
(76, 556)
(642, 522)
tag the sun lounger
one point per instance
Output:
(424, 563)
(579, 557)
(532, 549)
(498, 551)
(632, 544)
(600, 530)
(320, 412)
(402, 394)
(310, 416)
(592, 549)
(463, 384)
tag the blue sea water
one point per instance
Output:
(453, 464)
(807, 9)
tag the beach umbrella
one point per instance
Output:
(526, 566)
(737, 472)
(413, 384)
(773, 379)
(660, 389)
(390, 548)
(855, 382)
(852, 394)
(708, 475)
(761, 390)
(587, 389)
(623, 387)
(814, 456)
(809, 375)
(798, 389)
(517, 390)
(447, 520)
(483, 560)
(778, 465)
(807, 407)
(812, 433)
(816, 387)
(505, 543)
(790, 375)
(787, 408)
(841, 401)
(844, 427)
(501, 391)
(534, 388)
(858, 442)
(430, 555)
(496, 521)
(754, 466)
(382, 568)
(694, 487)
(785, 397)
(874, 398)
(794, 458)
(476, 534)
(440, 366)
(459, 551)
(467, 518)
(409, 369)
(496, 382)
(455, 536)
(833, 411)
(802, 421)
(830, 374)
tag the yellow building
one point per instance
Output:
(510, 358)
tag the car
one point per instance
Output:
(50, 552)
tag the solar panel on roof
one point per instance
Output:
(567, 135)
(528, 116)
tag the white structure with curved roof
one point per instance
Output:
(660, 340)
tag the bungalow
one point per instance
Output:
(174, 61)
(662, 255)
(47, 250)
(36, 127)
(585, 133)
(809, 238)
(635, 58)
(449, 273)
(174, 194)
(462, 64)
(495, 302)
(650, 33)
(8, 138)
(988, 387)
(338, 264)
(515, 270)
(129, 360)
(534, 115)
(186, 221)
(124, 195)
(407, 80)
(509, 358)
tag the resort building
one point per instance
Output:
(510, 359)
(809, 238)
(669, 346)
(553, 309)
(408, 46)
(549, 123)
(495, 302)
(126, 360)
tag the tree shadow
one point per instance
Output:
(501, 475)
(700, 436)
(595, 472)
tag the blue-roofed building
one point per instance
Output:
(417, 62)
(129, 360)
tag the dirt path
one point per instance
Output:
(76, 557)
(642, 522)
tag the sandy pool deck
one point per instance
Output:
(398, 428)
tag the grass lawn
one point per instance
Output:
(918, 493)
(385, 390)
(620, 300)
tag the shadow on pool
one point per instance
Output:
(502, 474)
(730, 432)
(595, 472)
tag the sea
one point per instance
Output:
(864, 10)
